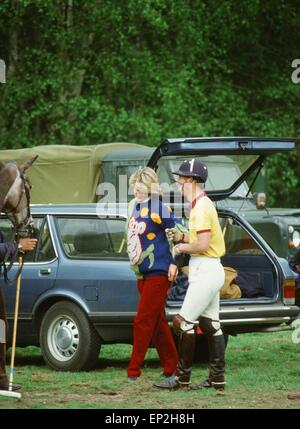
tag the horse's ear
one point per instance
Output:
(27, 164)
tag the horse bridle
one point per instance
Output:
(24, 229)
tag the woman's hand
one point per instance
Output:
(172, 273)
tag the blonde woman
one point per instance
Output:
(152, 261)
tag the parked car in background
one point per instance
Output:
(78, 291)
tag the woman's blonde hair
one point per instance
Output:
(147, 177)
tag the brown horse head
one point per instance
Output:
(15, 194)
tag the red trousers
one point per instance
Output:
(150, 323)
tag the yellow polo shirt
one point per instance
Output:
(204, 217)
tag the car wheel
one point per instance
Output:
(201, 348)
(68, 340)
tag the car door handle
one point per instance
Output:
(45, 271)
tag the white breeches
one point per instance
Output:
(206, 277)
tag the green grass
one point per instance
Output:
(260, 370)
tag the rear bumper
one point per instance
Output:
(229, 315)
(265, 313)
(254, 318)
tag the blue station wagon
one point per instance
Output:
(78, 291)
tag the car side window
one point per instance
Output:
(90, 238)
(116, 228)
(237, 240)
(45, 250)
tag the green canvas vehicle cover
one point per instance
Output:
(63, 173)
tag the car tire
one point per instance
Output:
(201, 348)
(68, 340)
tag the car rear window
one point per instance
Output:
(90, 238)
(223, 171)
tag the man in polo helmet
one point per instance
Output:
(205, 245)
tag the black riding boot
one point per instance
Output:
(181, 379)
(216, 353)
(217, 361)
(186, 349)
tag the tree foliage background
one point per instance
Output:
(87, 72)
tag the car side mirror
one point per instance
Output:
(260, 200)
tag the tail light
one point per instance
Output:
(289, 291)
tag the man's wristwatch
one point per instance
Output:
(20, 247)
